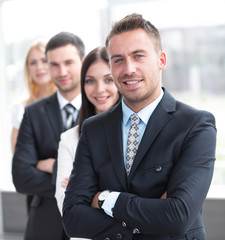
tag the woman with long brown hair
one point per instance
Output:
(99, 93)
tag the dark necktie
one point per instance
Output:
(132, 141)
(69, 109)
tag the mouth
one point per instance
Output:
(101, 99)
(132, 83)
(63, 80)
(40, 75)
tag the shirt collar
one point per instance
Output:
(76, 102)
(144, 114)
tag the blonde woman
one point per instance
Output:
(39, 86)
(38, 82)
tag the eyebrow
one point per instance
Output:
(90, 76)
(115, 56)
(53, 63)
(109, 74)
(134, 52)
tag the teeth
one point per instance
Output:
(101, 99)
(131, 82)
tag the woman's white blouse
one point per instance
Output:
(66, 155)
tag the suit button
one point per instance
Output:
(136, 230)
(119, 236)
(107, 238)
(124, 224)
(158, 168)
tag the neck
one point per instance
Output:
(136, 106)
(70, 95)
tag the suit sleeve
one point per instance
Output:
(26, 177)
(187, 187)
(186, 190)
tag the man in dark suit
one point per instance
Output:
(115, 198)
(34, 161)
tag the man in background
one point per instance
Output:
(34, 160)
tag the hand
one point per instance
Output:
(164, 196)
(65, 182)
(46, 165)
(94, 203)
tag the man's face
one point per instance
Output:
(136, 67)
(65, 67)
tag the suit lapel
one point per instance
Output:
(53, 113)
(114, 139)
(157, 121)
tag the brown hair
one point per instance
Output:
(132, 22)
(33, 87)
(87, 108)
(64, 38)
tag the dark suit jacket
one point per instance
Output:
(38, 139)
(176, 155)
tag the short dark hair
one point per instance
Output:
(87, 108)
(64, 38)
(132, 22)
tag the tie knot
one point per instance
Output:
(134, 119)
(69, 108)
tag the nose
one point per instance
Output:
(130, 67)
(62, 70)
(40, 65)
(100, 87)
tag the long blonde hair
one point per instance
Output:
(33, 88)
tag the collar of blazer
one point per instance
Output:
(159, 118)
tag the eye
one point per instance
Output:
(53, 65)
(138, 56)
(89, 81)
(108, 80)
(33, 62)
(118, 60)
(68, 62)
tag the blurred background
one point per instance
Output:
(193, 36)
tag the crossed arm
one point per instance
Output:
(187, 187)
(30, 174)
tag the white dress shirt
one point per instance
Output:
(76, 102)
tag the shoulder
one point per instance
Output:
(189, 112)
(16, 112)
(188, 117)
(17, 107)
(182, 110)
(37, 105)
(69, 140)
(113, 113)
(70, 134)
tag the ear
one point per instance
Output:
(162, 60)
(83, 59)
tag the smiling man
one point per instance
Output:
(34, 161)
(148, 173)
